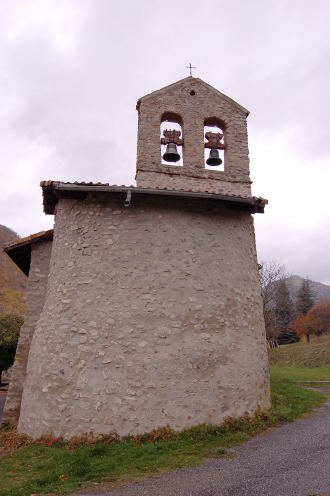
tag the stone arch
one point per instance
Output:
(169, 116)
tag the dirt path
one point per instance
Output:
(293, 460)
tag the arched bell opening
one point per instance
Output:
(171, 139)
(214, 144)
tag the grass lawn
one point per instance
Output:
(300, 374)
(58, 469)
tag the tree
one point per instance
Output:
(299, 326)
(271, 275)
(319, 318)
(284, 312)
(9, 332)
(305, 299)
(316, 321)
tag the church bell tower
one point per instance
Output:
(191, 137)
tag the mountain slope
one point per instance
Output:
(320, 291)
(12, 280)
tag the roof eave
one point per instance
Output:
(20, 251)
(53, 190)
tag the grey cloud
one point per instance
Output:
(304, 253)
(70, 113)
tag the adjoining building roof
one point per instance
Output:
(53, 190)
(20, 250)
(197, 81)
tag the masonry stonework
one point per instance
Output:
(195, 103)
(153, 316)
(153, 311)
(36, 290)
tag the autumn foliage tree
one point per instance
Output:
(12, 300)
(315, 322)
(12, 280)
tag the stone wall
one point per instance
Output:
(197, 184)
(36, 290)
(193, 110)
(153, 316)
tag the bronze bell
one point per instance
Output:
(214, 158)
(171, 154)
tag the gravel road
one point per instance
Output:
(293, 460)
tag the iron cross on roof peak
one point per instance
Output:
(190, 67)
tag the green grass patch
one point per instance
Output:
(61, 469)
(290, 400)
(299, 374)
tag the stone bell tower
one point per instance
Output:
(153, 314)
(196, 107)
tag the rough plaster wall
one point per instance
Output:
(206, 103)
(153, 316)
(178, 182)
(36, 290)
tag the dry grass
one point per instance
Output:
(311, 355)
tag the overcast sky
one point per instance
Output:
(72, 71)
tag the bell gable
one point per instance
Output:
(192, 137)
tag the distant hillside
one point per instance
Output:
(12, 280)
(312, 355)
(320, 291)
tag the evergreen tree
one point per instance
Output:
(305, 299)
(284, 308)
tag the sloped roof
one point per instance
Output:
(198, 81)
(20, 250)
